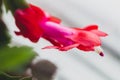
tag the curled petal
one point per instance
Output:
(50, 47)
(54, 19)
(62, 48)
(99, 33)
(91, 27)
(86, 48)
(18, 33)
(68, 47)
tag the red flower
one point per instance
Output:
(88, 37)
(64, 38)
(34, 23)
(27, 20)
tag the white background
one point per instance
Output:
(76, 64)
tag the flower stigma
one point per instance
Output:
(99, 50)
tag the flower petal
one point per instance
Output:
(68, 47)
(38, 11)
(99, 33)
(91, 27)
(86, 48)
(50, 47)
(27, 20)
(54, 19)
(86, 38)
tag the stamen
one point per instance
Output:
(99, 50)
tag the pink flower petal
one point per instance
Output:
(50, 47)
(99, 33)
(54, 19)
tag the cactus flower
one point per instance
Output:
(34, 23)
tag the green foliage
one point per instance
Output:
(4, 76)
(15, 4)
(4, 37)
(0, 7)
(14, 58)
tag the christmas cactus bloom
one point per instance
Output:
(28, 19)
(34, 23)
(64, 38)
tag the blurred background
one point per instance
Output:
(75, 64)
